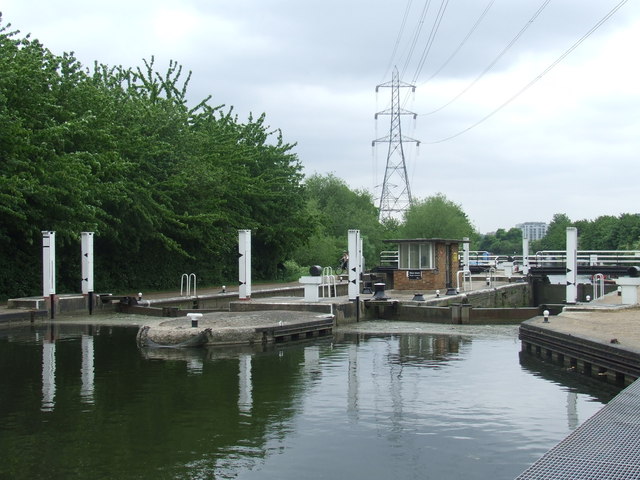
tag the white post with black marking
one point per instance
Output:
(572, 265)
(353, 242)
(49, 269)
(244, 264)
(86, 240)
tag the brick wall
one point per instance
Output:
(434, 279)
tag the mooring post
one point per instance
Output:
(244, 264)
(87, 267)
(49, 269)
(572, 265)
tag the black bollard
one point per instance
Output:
(378, 291)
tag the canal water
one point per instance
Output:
(377, 401)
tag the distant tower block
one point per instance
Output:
(395, 196)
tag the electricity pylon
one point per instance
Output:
(395, 196)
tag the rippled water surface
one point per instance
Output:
(81, 401)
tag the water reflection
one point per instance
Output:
(245, 387)
(87, 370)
(48, 371)
(452, 406)
(49, 365)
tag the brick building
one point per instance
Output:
(424, 264)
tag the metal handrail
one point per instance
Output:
(188, 277)
(591, 257)
(328, 281)
(389, 258)
(466, 275)
(558, 258)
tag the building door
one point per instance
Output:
(447, 267)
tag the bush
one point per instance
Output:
(293, 271)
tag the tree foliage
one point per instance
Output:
(119, 152)
(606, 232)
(336, 209)
(437, 217)
(503, 242)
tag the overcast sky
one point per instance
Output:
(570, 143)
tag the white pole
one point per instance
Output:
(244, 264)
(354, 264)
(48, 264)
(87, 262)
(49, 270)
(572, 265)
(465, 253)
(525, 255)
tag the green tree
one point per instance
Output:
(503, 242)
(556, 237)
(627, 232)
(437, 217)
(119, 152)
(335, 209)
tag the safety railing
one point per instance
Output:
(186, 283)
(482, 261)
(389, 258)
(328, 284)
(587, 257)
(467, 283)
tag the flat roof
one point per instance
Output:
(425, 240)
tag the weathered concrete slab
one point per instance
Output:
(235, 328)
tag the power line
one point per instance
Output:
(416, 36)
(400, 34)
(495, 60)
(544, 72)
(432, 36)
(464, 40)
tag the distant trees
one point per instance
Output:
(556, 236)
(606, 232)
(503, 242)
(603, 233)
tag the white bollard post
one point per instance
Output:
(354, 264)
(572, 265)
(244, 264)
(87, 267)
(49, 268)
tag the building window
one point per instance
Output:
(418, 256)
